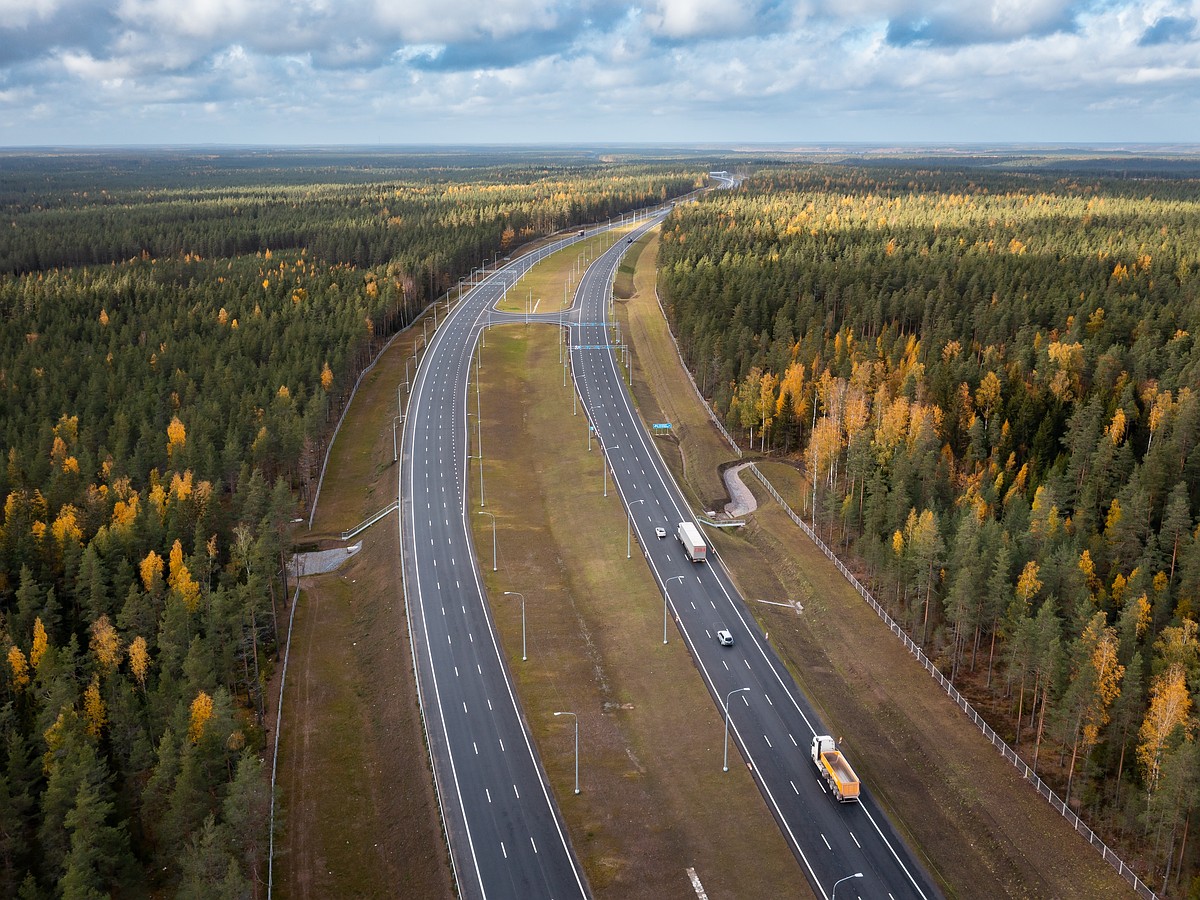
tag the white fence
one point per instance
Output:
(996, 741)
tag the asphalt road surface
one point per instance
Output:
(770, 719)
(506, 836)
(505, 832)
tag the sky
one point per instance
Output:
(797, 72)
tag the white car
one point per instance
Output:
(660, 532)
(724, 638)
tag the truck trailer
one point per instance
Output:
(693, 543)
(832, 766)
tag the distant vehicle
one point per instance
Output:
(660, 532)
(832, 766)
(581, 234)
(724, 638)
(629, 240)
(693, 543)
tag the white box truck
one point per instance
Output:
(693, 543)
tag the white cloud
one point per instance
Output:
(20, 13)
(701, 18)
(445, 21)
(593, 69)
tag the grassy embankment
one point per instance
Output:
(360, 816)
(980, 828)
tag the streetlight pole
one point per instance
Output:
(725, 765)
(833, 896)
(480, 512)
(522, 596)
(669, 580)
(395, 454)
(576, 718)
(604, 464)
(629, 529)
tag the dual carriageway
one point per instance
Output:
(506, 834)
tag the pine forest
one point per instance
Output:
(992, 381)
(180, 333)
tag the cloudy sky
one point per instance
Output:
(83, 72)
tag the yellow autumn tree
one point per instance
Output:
(19, 667)
(151, 568)
(1169, 709)
(176, 436)
(93, 708)
(40, 642)
(125, 511)
(326, 376)
(106, 644)
(1088, 569)
(988, 396)
(139, 660)
(181, 581)
(1028, 584)
(1116, 429)
(66, 525)
(202, 713)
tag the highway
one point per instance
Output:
(505, 832)
(506, 835)
(770, 719)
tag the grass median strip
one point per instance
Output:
(654, 799)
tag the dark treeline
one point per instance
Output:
(172, 359)
(992, 380)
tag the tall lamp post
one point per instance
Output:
(725, 764)
(604, 465)
(669, 580)
(628, 528)
(395, 453)
(576, 718)
(522, 596)
(833, 896)
(481, 512)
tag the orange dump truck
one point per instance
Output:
(833, 767)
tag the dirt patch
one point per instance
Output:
(356, 794)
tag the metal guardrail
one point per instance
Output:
(996, 741)
(371, 520)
